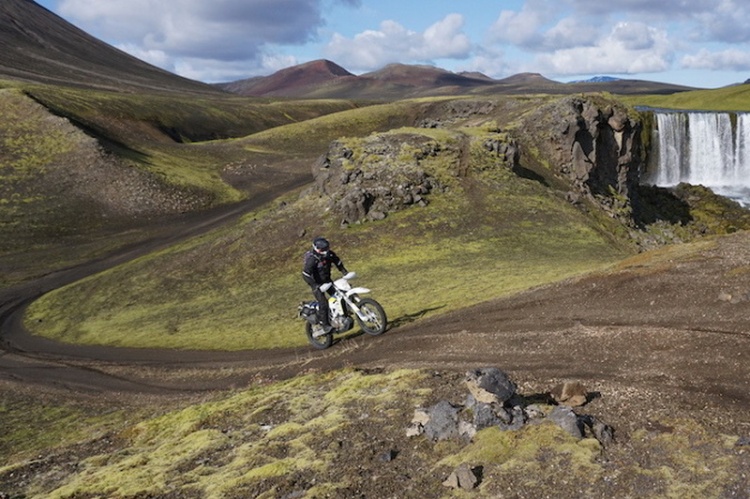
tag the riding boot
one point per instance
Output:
(325, 323)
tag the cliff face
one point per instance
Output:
(595, 144)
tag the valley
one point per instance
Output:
(151, 234)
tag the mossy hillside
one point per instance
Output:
(30, 138)
(322, 434)
(55, 169)
(313, 136)
(177, 117)
(33, 424)
(731, 98)
(34, 145)
(248, 443)
(150, 130)
(492, 233)
(60, 192)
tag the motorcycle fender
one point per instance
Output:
(356, 291)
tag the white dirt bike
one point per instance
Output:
(344, 304)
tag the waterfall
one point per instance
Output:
(703, 149)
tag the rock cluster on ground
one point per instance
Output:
(493, 401)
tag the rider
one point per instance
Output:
(317, 271)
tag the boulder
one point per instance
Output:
(490, 385)
(443, 422)
(566, 419)
(570, 393)
(464, 477)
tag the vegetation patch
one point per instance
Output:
(492, 234)
(344, 432)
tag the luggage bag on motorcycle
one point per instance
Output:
(309, 311)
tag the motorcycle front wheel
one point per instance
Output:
(321, 342)
(371, 319)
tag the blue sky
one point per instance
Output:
(690, 42)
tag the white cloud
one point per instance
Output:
(373, 49)
(223, 40)
(669, 9)
(223, 71)
(539, 27)
(223, 29)
(730, 59)
(175, 35)
(727, 21)
(518, 28)
(489, 61)
(445, 38)
(155, 57)
(628, 49)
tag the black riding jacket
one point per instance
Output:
(317, 268)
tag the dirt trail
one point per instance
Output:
(681, 330)
(678, 333)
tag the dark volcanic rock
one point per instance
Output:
(596, 145)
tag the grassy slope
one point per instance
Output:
(734, 98)
(489, 235)
(137, 462)
(154, 130)
(49, 216)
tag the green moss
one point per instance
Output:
(29, 139)
(731, 98)
(514, 235)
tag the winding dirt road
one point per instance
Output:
(676, 333)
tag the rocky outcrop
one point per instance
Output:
(365, 179)
(386, 175)
(493, 402)
(593, 143)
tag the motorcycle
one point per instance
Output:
(344, 304)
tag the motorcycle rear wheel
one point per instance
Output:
(375, 321)
(321, 342)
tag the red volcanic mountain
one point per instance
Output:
(290, 80)
(40, 46)
(324, 79)
(422, 76)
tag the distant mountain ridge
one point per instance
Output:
(39, 46)
(326, 79)
(596, 79)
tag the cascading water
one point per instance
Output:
(704, 149)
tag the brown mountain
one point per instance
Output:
(324, 79)
(39, 46)
(422, 76)
(285, 82)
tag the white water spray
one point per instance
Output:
(703, 149)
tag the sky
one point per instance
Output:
(698, 43)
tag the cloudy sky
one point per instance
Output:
(691, 42)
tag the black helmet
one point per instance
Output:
(321, 245)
